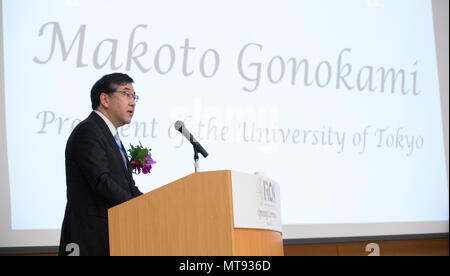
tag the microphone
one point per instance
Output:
(179, 125)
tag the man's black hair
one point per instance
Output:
(107, 84)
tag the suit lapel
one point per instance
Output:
(128, 160)
(128, 169)
(111, 141)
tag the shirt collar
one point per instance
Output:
(110, 125)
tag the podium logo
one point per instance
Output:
(267, 191)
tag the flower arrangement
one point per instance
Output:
(141, 159)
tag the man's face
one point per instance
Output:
(121, 105)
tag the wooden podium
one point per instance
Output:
(190, 216)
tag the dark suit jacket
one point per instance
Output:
(97, 179)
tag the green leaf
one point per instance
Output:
(138, 153)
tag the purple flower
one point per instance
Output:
(148, 164)
(140, 159)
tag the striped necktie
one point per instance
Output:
(119, 145)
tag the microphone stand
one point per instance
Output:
(196, 160)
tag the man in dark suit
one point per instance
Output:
(98, 172)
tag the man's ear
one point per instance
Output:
(104, 100)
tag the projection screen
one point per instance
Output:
(338, 101)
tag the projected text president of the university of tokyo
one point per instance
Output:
(98, 172)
